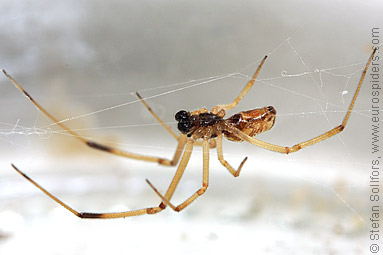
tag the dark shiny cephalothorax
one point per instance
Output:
(189, 123)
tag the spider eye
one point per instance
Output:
(182, 115)
(184, 127)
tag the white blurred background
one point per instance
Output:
(83, 60)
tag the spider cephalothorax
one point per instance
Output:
(192, 123)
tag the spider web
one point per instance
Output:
(307, 77)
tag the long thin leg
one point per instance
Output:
(98, 146)
(169, 129)
(180, 171)
(234, 172)
(244, 91)
(87, 215)
(309, 142)
(150, 210)
(212, 143)
(199, 192)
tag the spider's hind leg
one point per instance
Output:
(312, 141)
(243, 93)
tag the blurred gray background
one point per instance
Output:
(84, 61)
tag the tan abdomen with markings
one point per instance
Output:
(252, 122)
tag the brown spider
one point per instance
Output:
(200, 124)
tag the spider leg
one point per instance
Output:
(212, 143)
(181, 139)
(180, 170)
(88, 215)
(311, 141)
(169, 129)
(244, 91)
(234, 172)
(199, 192)
(150, 210)
(282, 149)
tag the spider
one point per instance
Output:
(211, 127)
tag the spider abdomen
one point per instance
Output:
(252, 122)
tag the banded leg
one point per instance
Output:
(201, 191)
(89, 215)
(244, 91)
(181, 139)
(234, 172)
(150, 210)
(311, 141)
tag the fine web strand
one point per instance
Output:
(195, 83)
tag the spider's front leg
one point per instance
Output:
(99, 146)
